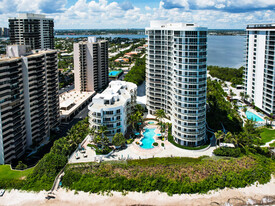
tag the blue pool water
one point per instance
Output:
(253, 116)
(148, 140)
(114, 73)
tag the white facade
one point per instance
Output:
(176, 78)
(113, 106)
(260, 66)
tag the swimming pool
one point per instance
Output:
(152, 122)
(148, 140)
(114, 73)
(253, 116)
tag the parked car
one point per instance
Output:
(2, 192)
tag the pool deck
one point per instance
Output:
(134, 151)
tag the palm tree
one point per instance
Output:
(102, 130)
(271, 118)
(266, 118)
(242, 95)
(246, 96)
(133, 120)
(244, 109)
(219, 135)
(92, 132)
(139, 108)
(160, 114)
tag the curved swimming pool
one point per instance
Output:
(253, 116)
(148, 140)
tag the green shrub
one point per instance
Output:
(44, 173)
(228, 151)
(155, 144)
(21, 166)
(162, 144)
(153, 174)
(137, 73)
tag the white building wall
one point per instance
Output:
(260, 66)
(176, 78)
(259, 75)
(27, 101)
(123, 100)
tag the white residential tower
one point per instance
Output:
(176, 78)
(260, 66)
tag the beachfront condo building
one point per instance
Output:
(29, 99)
(176, 78)
(260, 66)
(34, 30)
(112, 108)
(91, 65)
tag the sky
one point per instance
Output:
(122, 14)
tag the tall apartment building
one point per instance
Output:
(260, 66)
(91, 65)
(4, 32)
(113, 107)
(176, 78)
(13, 139)
(29, 99)
(34, 30)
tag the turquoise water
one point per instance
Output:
(148, 140)
(253, 116)
(151, 122)
(114, 73)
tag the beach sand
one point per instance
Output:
(255, 194)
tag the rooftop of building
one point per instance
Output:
(71, 100)
(30, 16)
(174, 26)
(17, 51)
(116, 94)
(92, 39)
(261, 26)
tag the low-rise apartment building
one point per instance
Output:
(113, 107)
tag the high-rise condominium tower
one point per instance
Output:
(34, 30)
(91, 65)
(260, 66)
(29, 101)
(176, 78)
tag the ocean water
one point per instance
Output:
(224, 51)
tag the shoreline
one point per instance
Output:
(254, 194)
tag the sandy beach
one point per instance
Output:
(255, 194)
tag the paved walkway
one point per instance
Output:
(268, 143)
(134, 151)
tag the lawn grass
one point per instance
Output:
(7, 174)
(267, 135)
(272, 144)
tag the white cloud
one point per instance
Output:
(90, 14)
